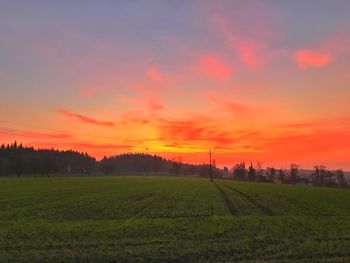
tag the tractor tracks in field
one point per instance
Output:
(254, 202)
(233, 210)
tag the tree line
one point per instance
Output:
(18, 160)
(320, 176)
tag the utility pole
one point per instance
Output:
(210, 167)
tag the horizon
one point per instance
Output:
(264, 81)
(176, 159)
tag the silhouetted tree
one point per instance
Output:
(339, 174)
(225, 172)
(251, 173)
(323, 177)
(281, 175)
(239, 171)
(329, 179)
(259, 172)
(177, 166)
(106, 166)
(17, 164)
(157, 163)
(34, 164)
(294, 173)
(270, 174)
(47, 166)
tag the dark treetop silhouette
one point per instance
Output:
(19, 160)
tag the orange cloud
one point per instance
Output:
(238, 109)
(102, 146)
(213, 67)
(135, 117)
(84, 119)
(311, 59)
(154, 74)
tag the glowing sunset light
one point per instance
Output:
(253, 81)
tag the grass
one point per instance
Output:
(128, 219)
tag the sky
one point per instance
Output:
(263, 81)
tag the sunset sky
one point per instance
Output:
(254, 81)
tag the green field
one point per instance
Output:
(128, 219)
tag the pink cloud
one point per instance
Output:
(213, 67)
(247, 50)
(147, 96)
(154, 74)
(155, 105)
(306, 58)
(84, 119)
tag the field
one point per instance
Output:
(128, 219)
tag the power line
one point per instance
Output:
(210, 167)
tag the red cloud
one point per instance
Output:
(183, 130)
(311, 59)
(193, 133)
(83, 118)
(154, 74)
(214, 67)
(14, 133)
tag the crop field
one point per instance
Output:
(177, 219)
